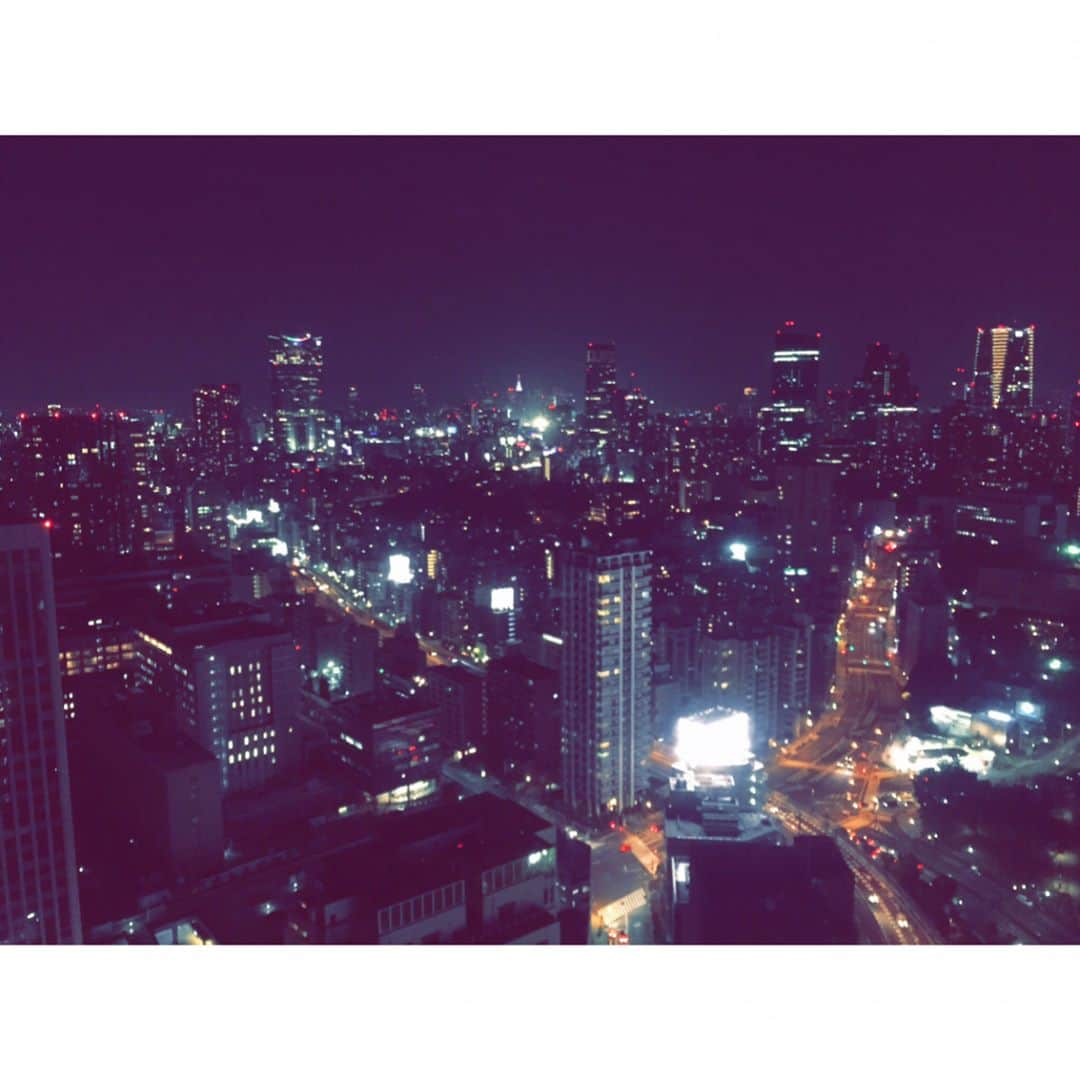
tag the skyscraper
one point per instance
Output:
(601, 392)
(218, 426)
(39, 898)
(1004, 374)
(786, 423)
(796, 365)
(296, 390)
(886, 378)
(606, 684)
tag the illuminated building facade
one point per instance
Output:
(601, 394)
(606, 686)
(296, 392)
(796, 366)
(218, 427)
(39, 898)
(235, 688)
(786, 423)
(1004, 373)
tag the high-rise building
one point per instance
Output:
(79, 475)
(601, 392)
(39, 897)
(606, 684)
(296, 392)
(786, 423)
(218, 427)
(635, 418)
(796, 366)
(1004, 367)
(886, 378)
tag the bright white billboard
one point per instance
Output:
(400, 570)
(502, 599)
(715, 739)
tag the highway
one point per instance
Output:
(830, 778)
(898, 918)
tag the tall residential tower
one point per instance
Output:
(606, 686)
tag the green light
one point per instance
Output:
(1072, 550)
(1055, 664)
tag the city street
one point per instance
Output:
(829, 779)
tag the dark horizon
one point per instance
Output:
(140, 267)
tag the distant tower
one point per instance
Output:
(296, 392)
(518, 389)
(796, 366)
(1004, 375)
(607, 702)
(600, 395)
(218, 426)
(887, 377)
(786, 424)
(39, 896)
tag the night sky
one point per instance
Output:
(133, 269)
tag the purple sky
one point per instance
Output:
(133, 269)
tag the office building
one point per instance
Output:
(1004, 371)
(606, 685)
(296, 392)
(786, 424)
(886, 378)
(234, 684)
(39, 898)
(601, 398)
(796, 367)
(219, 428)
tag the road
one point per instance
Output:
(998, 901)
(831, 777)
(889, 905)
(337, 596)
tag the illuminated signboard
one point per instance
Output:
(502, 599)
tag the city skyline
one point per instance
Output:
(460, 263)
(611, 648)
